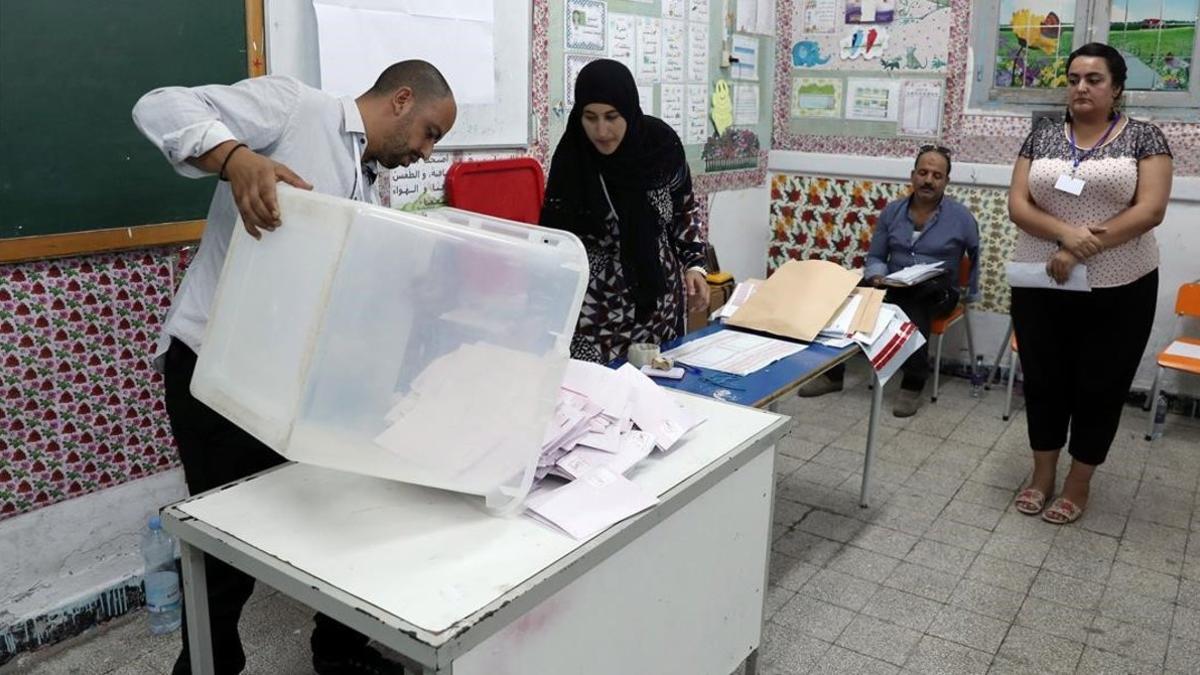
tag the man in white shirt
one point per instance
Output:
(254, 134)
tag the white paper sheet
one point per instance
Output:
(674, 64)
(819, 16)
(731, 351)
(646, 99)
(586, 507)
(1033, 275)
(921, 108)
(634, 447)
(698, 11)
(745, 105)
(697, 56)
(674, 9)
(1184, 349)
(914, 274)
(357, 40)
(696, 124)
(586, 24)
(671, 107)
(656, 413)
(600, 384)
(755, 16)
(649, 50)
(622, 40)
(741, 293)
(745, 50)
(897, 342)
(872, 100)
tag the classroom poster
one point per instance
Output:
(671, 107)
(819, 16)
(574, 63)
(698, 11)
(872, 100)
(586, 25)
(674, 46)
(921, 108)
(816, 97)
(697, 56)
(909, 35)
(696, 127)
(646, 98)
(649, 50)
(622, 40)
(674, 9)
(745, 104)
(745, 50)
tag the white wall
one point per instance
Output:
(739, 230)
(67, 552)
(1178, 237)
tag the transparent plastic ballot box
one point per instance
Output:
(423, 348)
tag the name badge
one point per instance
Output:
(1069, 184)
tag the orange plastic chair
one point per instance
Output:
(1187, 303)
(939, 326)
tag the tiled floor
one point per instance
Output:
(940, 575)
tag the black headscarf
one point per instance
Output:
(649, 157)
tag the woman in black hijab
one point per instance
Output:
(619, 181)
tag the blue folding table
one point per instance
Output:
(770, 384)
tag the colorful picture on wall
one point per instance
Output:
(870, 11)
(1157, 39)
(1032, 43)
(865, 42)
(816, 97)
(917, 37)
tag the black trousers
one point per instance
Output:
(214, 451)
(922, 303)
(1079, 353)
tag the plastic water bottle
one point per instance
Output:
(1160, 417)
(163, 598)
(977, 377)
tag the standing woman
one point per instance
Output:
(620, 181)
(1087, 192)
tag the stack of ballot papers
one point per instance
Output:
(605, 422)
(889, 344)
(858, 314)
(913, 274)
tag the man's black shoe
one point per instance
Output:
(364, 661)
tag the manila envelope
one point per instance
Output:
(798, 300)
(868, 310)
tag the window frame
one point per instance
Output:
(1092, 23)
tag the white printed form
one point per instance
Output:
(731, 351)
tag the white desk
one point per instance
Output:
(677, 589)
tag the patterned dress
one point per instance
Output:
(607, 322)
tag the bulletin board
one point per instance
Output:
(874, 68)
(675, 50)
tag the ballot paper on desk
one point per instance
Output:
(1034, 275)
(591, 447)
(585, 507)
(857, 314)
(913, 274)
(731, 351)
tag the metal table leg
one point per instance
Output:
(752, 663)
(872, 430)
(195, 590)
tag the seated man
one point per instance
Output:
(924, 227)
